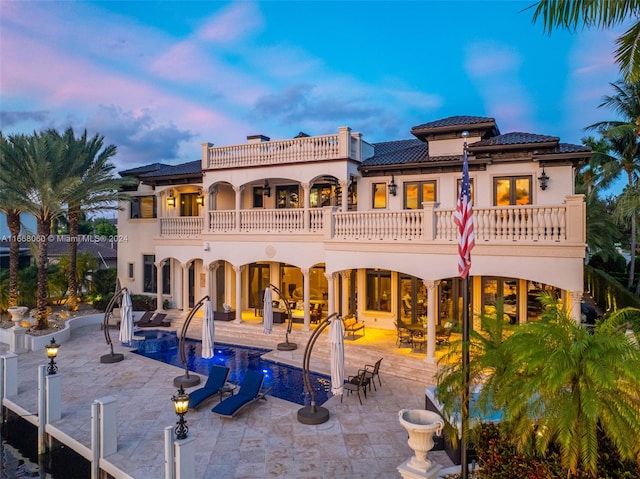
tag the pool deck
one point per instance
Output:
(265, 440)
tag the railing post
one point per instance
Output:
(328, 221)
(42, 409)
(344, 141)
(169, 461)
(95, 441)
(429, 223)
(9, 377)
(205, 155)
(108, 426)
(185, 458)
(575, 219)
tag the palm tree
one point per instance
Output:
(41, 182)
(601, 14)
(99, 189)
(564, 384)
(623, 152)
(8, 206)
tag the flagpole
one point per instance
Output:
(467, 239)
(464, 462)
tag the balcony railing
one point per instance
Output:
(524, 224)
(295, 150)
(182, 227)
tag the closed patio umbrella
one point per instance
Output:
(336, 341)
(208, 329)
(126, 323)
(267, 311)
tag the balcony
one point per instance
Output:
(495, 225)
(342, 145)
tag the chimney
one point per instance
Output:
(257, 139)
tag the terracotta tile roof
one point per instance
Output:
(515, 138)
(190, 168)
(454, 121)
(398, 152)
(144, 169)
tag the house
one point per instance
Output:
(364, 229)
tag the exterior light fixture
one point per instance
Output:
(544, 180)
(393, 188)
(266, 189)
(171, 201)
(200, 198)
(181, 405)
(52, 352)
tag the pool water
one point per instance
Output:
(286, 382)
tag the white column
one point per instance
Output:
(9, 377)
(185, 451)
(238, 270)
(238, 191)
(107, 407)
(576, 302)
(306, 191)
(344, 186)
(168, 453)
(213, 283)
(185, 287)
(331, 296)
(159, 265)
(42, 409)
(432, 289)
(53, 399)
(346, 279)
(95, 441)
(306, 288)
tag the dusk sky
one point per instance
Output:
(159, 78)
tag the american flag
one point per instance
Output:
(463, 218)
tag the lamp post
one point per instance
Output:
(181, 405)
(52, 352)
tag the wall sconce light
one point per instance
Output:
(544, 180)
(171, 201)
(52, 352)
(393, 188)
(200, 198)
(181, 405)
(266, 189)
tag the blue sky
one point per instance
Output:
(159, 78)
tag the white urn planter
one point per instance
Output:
(17, 314)
(421, 426)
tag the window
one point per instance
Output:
(287, 196)
(417, 192)
(378, 290)
(504, 290)
(258, 197)
(166, 278)
(130, 270)
(514, 190)
(259, 279)
(149, 273)
(321, 194)
(473, 195)
(379, 195)
(189, 205)
(143, 207)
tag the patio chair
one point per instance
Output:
(316, 313)
(156, 321)
(403, 335)
(250, 391)
(372, 372)
(357, 383)
(215, 382)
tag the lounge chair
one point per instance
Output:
(145, 318)
(215, 382)
(250, 391)
(155, 321)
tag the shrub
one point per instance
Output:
(613, 265)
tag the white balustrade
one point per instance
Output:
(274, 220)
(295, 150)
(379, 225)
(182, 227)
(222, 221)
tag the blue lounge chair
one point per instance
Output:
(250, 391)
(215, 382)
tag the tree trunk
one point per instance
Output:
(632, 264)
(44, 229)
(13, 222)
(72, 302)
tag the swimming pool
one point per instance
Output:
(285, 381)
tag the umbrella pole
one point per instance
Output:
(111, 357)
(286, 346)
(187, 381)
(313, 414)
